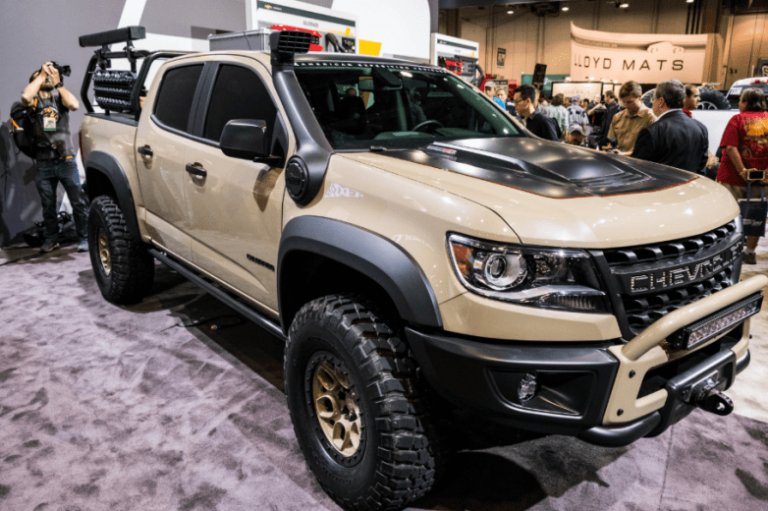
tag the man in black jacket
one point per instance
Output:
(611, 109)
(674, 139)
(537, 122)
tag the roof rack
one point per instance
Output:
(118, 91)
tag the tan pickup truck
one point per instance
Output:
(418, 250)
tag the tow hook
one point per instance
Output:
(706, 396)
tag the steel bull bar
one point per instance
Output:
(628, 417)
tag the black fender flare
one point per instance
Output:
(108, 165)
(376, 257)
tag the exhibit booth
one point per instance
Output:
(306, 254)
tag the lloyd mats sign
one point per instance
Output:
(645, 58)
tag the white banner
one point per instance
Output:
(583, 90)
(319, 21)
(645, 58)
(452, 47)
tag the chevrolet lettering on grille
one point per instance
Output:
(673, 276)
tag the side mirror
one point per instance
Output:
(245, 139)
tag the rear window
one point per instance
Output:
(174, 99)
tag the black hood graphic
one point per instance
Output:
(550, 169)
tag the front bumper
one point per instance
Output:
(606, 393)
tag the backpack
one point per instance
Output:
(23, 127)
(556, 125)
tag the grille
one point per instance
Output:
(294, 41)
(694, 255)
(623, 179)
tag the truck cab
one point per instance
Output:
(419, 251)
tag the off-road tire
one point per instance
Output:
(714, 97)
(132, 271)
(400, 454)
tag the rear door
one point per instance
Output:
(161, 146)
(235, 209)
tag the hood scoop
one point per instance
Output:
(550, 169)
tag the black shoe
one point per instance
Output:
(49, 246)
(750, 258)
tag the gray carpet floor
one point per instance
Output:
(110, 408)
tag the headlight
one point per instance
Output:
(539, 277)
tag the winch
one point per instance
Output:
(705, 395)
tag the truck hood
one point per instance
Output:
(555, 194)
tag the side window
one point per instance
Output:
(174, 99)
(238, 94)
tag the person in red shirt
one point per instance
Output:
(745, 144)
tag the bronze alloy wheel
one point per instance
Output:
(336, 408)
(104, 255)
(354, 401)
(123, 268)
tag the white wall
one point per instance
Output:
(402, 26)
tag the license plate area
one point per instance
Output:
(706, 329)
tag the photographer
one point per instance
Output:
(54, 152)
(746, 148)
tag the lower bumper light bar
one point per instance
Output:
(708, 328)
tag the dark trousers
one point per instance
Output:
(49, 174)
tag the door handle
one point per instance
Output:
(196, 169)
(145, 150)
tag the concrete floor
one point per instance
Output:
(149, 407)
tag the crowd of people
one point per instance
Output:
(665, 133)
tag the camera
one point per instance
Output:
(755, 175)
(63, 70)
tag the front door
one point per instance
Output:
(235, 205)
(161, 146)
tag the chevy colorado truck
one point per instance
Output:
(414, 245)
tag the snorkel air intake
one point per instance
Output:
(305, 171)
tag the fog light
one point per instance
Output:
(527, 388)
(709, 328)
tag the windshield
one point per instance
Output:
(398, 106)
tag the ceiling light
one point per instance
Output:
(510, 12)
(624, 5)
(565, 8)
(689, 1)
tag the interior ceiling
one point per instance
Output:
(457, 4)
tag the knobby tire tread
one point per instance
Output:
(410, 452)
(133, 268)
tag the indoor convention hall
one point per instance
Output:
(384, 255)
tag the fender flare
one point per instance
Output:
(376, 257)
(108, 165)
